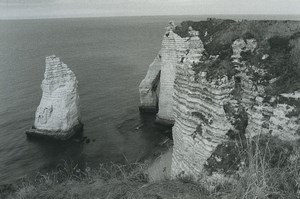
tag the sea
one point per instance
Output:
(110, 57)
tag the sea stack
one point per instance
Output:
(58, 115)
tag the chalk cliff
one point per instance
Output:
(233, 80)
(58, 114)
(149, 87)
(157, 88)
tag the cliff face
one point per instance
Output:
(234, 80)
(58, 112)
(157, 88)
(245, 84)
(149, 87)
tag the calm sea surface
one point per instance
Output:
(110, 56)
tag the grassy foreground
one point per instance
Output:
(107, 181)
(270, 170)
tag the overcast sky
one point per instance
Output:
(85, 8)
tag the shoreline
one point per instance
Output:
(150, 169)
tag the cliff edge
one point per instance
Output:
(234, 81)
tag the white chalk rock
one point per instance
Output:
(58, 114)
(148, 88)
(240, 45)
(157, 88)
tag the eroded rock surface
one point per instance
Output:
(149, 87)
(233, 81)
(157, 89)
(58, 114)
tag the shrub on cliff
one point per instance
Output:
(279, 46)
(267, 168)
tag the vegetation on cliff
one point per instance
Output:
(267, 168)
(279, 40)
(253, 64)
(261, 167)
(112, 181)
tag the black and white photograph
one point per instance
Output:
(149, 99)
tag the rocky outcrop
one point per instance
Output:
(157, 89)
(200, 121)
(233, 81)
(58, 115)
(149, 87)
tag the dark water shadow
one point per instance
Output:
(58, 152)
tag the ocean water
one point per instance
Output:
(110, 56)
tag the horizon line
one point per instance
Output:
(118, 16)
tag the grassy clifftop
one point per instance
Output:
(107, 181)
(279, 40)
(261, 178)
